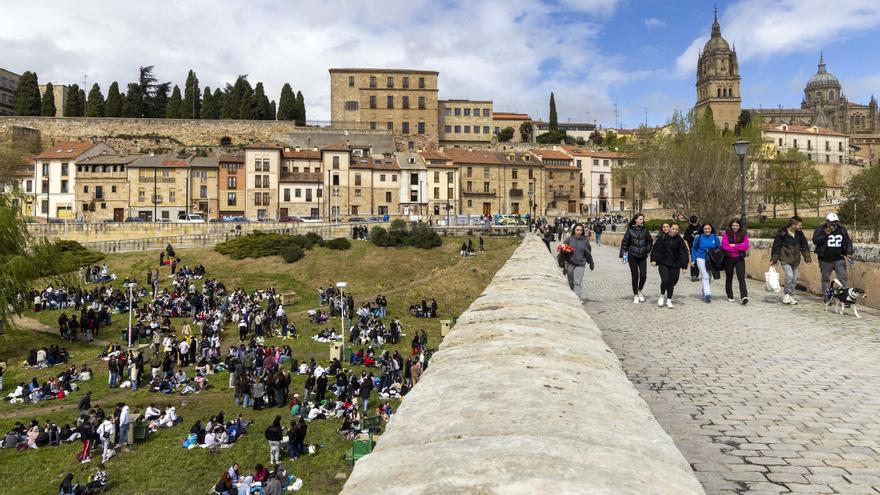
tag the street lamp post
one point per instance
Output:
(741, 148)
(531, 207)
(130, 286)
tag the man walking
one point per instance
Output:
(789, 246)
(833, 248)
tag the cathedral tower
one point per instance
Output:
(718, 80)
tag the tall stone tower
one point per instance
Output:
(718, 80)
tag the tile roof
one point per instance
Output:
(231, 158)
(510, 116)
(109, 160)
(65, 150)
(302, 154)
(384, 71)
(205, 162)
(803, 129)
(550, 154)
(361, 162)
(169, 160)
(263, 146)
(433, 155)
(481, 157)
(335, 147)
(386, 164)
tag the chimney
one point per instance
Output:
(287, 150)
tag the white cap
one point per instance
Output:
(832, 217)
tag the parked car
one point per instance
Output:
(191, 218)
(216, 220)
(375, 219)
(291, 219)
(235, 219)
(163, 220)
(135, 220)
(311, 220)
(357, 220)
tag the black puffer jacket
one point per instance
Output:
(637, 242)
(670, 251)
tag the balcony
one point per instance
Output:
(516, 193)
(561, 195)
(102, 175)
(146, 179)
(479, 193)
(603, 182)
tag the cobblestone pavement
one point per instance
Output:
(761, 399)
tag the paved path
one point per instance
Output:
(760, 399)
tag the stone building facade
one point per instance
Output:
(465, 123)
(157, 186)
(55, 177)
(230, 185)
(718, 80)
(8, 82)
(102, 187)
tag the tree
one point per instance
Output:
(525, 132)
(113, 105)
(95, 104)
(47, 104)
(159, 102)
(692, 169)
(73, 107)
(263, 110)
(611, 140)
(744, 120)
(287, 103)
(596, 138)
(554, 120)
(82, 102)
(146, 91)
(14, 156)
(273, 110)
(300, 109)
(208, 109)
(27, 95)
(554, 137)
(505, 135)
(247, 107)
(218, 103)
(794, 179)
(863, 200)
(134, 102)
(173, 110)
(192, 107)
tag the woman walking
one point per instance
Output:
(636, 246)
(735, 244)
(579, 257)
(703, 243)
(670, 255)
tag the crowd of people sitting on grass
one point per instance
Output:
(96, 484)
(216, 432)
(47, 356)
(424, 309)
(235, 481)
(56, 387)
(369, 330)
(467, 248)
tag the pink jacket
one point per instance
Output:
(734, 250)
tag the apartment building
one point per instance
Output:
(443, 184)
(413, 184)
(203, 186)
(576, 130)
(230, 185)
(55, 177)
(21, 182)
(465, 123)
(402, 101)
(523, 185)
(501, 120)
(158, 186)
(301, 183)
(262, 169)
(564, 182)
(102, 187)
(8, 82)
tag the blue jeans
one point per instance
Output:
(246, 401)
(112, 380)
(134, 383)
(123, 433)
(598, 238)
(292, 450)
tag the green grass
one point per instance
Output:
(161, 465)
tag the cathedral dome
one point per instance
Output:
(823, 78)
(716, 42)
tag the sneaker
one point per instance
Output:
(707, 298)
(786, 299)
(792, 300)
(660, 301)
(669, 303)
(641, 297)
(745, 300)
(730, 299)
(635, 299)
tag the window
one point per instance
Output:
(297, 193)
(172, 195)
(388, 196)
(45, 206)
(421, 102)
(467, 112)
(308, 195)
(780, 141)
(405, 103)
(265, 164)
(286, 194)
(85, 189)
(513, 174)
(447, 129)
(470, 171)
(486, 171)
(29, 186)
(357, 179)
(203, 191)
(436, 176)
(381, 177)
(45, 170)
(372, 81)
(335, 179)
(421, 127)
(405, 82)
(470, 203)
(486, 114)
(476, 129)
(230, 198)
(405, 127)
(447, 111)
(827, 158)
(421, 83)
(436, 193)
(469, 186)
(467, 128)
(373, 101)
(390, 81)
(351, 81)
(141, 194)
(840, 146)
(485, 187)
(335, 162)
(372, 126)
(458, 129)
(357, 193)
(531, 174)
(390, 102)
(232, 182)
(258, 181)
(258, 199)
(64, 186)
(449, 177)
(265, 181)
(64, 169)
(485, 129)
(457, 112)
(393, 177)
(351, 105)
(266, 199)
(449, 193)
(390, 125)
(795, 143)
(411, 145)
(839, 158)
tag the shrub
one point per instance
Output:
(313, 238)
(379, 236)
(292, 253)
(76, 254)
(398, 225)
(419, 235)
(425, 238)
(258, 245)
(340, 243)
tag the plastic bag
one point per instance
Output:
(771, 281)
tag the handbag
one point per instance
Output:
(771, 280)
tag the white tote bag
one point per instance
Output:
(771, 279)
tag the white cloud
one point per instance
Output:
(653, 22)
(765, 28)
(512, 51)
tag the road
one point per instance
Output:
(761, 399)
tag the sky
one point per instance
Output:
(635, 56)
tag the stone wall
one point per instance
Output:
(864, 274)
(128, 135)
(524, 397)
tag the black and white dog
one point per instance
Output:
(843, 298)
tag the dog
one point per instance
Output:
(843, 298)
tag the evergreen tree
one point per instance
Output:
(47, 105)
(218, 103)
(160, 99)
(229, 109)
(208, 110)
(173, 111)
(146, 91)
(113, 105)
(262, 110)
(287, 103)
(134, 101)
(300, 109)
(192, 106)
(95, 104)
(73, 107)
(82, 102)
(247, 109)
(27, 95)
(124, 111)
(554, 120)
(273, 110)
